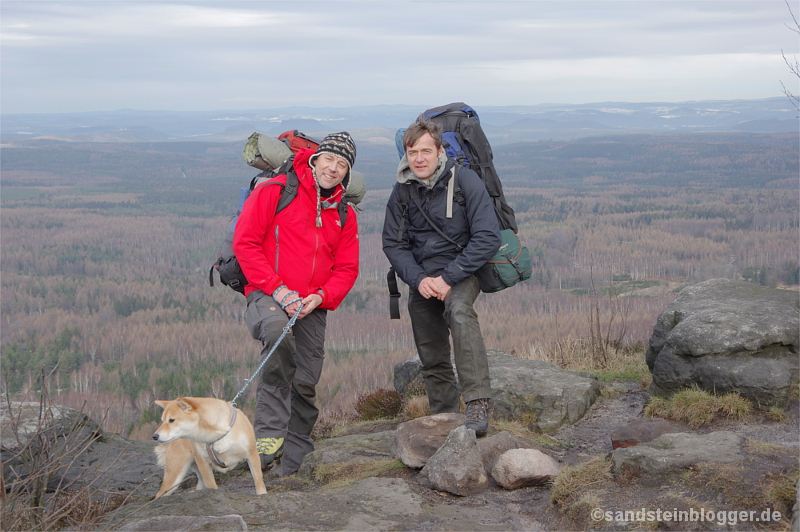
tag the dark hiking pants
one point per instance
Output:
(432, 322)
(285, 404)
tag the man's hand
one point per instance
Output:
(285, 295)
(434, 287)
(311, 302)
(442, 288)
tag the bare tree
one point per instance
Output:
(793, 65)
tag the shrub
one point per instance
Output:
(378, 404)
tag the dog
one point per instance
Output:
(201, 435)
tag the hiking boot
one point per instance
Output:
(268, 450)
(478, 416)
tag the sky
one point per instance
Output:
(103, 55)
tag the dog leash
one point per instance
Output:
(258, 369)
(210, 446)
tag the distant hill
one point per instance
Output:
(503, 124)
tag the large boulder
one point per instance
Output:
(541, 393)
(728, 336)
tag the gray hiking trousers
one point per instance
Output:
(432, 322)
(285, 404)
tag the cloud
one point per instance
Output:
(212, 54)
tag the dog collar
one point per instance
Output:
(210, 446)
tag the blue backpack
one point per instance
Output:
(464, 140)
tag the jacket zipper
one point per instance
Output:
(277, 248)
(316, 249)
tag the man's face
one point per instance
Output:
(423, 157)
(330, 169)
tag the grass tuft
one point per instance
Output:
(571, 481)
(697, 407)
(416, 406)
(338, 475)
(777, 413)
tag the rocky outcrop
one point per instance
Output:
(174, 523)
(544, 395)
(672, 453)
(728, 336)
(347, 449)
(79, 452)
(369, 504)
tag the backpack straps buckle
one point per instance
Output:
(394, 295)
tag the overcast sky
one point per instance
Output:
(106, 55)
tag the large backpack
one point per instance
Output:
(227, 265)
(464, 140)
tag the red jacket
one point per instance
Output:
(288, 248)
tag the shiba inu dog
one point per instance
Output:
(201, 435)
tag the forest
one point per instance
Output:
(106, 250)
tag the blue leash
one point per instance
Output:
(260, 366)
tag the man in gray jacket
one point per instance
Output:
(439, 266)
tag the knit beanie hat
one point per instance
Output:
(339, 144)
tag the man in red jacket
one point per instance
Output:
(301, 255)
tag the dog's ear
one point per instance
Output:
(162, 404)
(185, 404)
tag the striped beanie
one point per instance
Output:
(339, 144)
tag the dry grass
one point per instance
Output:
(520, 429)
(416, 406)
(339, 475)
(571, 482)
(697, 407)
(780, 490)
(624, 362)
(777, 413)
(331, 424)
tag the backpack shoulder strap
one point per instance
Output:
(289, 192)
(402, 196)
(415, 197)
(343, 211)
(458, 195)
